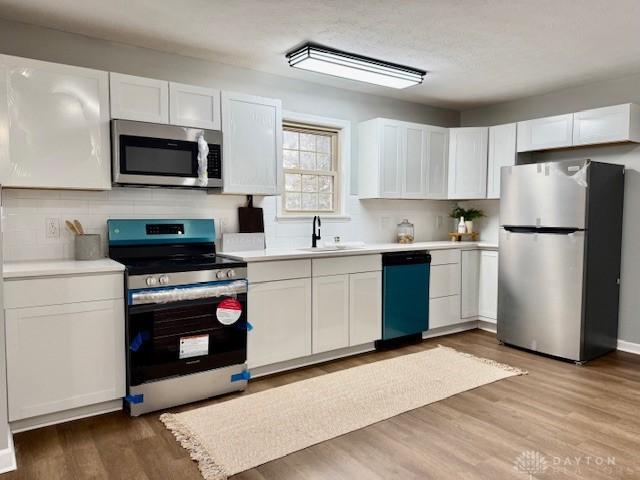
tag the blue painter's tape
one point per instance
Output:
(244, 326)
(138, 340)
(249, 327)
(134, 398)
(244, 375)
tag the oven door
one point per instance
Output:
(153, 154)
(177, 331)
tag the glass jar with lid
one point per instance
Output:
(405, 232)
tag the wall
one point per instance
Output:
(622, 90)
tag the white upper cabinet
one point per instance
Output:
(437, 162)
(467, 162)
(502, 153)
(192, 106)
(402, 160)
(545, 133)
(415, 161)
(55, 120)
(252, 149)
(619, 123)
(138, 98)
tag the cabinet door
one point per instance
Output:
(252, 152)
(415, 161)
(502, 153)
(56, 123)
(191, 106)
(469, 285)
(437, 162)
(545, 133)
(390, 159)
(444, 311)
(280, 313)
(444, 280)
(618, 123)
(365, 307)
(468, 162)
(330, 313)
(139, 98)
(488, 294)
(64, 356)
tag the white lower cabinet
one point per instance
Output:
(444, 311)
(469, 284)
(488, 285)
(280, 313)
(365, 307)
(64, 356)
(330, 313)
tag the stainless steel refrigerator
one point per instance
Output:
(559, 258)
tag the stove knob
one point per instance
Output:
(220, 274)
(164, 280)
(231, 273)
(151, 281)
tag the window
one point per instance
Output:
(311, 166)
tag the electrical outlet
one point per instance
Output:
(52, 227)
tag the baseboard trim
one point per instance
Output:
(8, 456)
(629, 347)
(65, 416)
(457, 328)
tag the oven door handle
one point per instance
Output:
(180, 294)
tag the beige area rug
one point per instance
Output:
(247, 431)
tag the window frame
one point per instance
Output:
(342, 168)
(334, 172)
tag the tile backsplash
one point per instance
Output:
(29, 215)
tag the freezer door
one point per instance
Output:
(540, 291)
(549, 194)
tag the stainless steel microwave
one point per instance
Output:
(164, 155)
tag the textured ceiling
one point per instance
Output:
(477, 51)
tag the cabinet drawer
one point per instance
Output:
(343, 265)
(35, 292)
(283, 270)
(444, 311)
(444, 280)
(443, 257)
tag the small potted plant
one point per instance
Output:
(470, 215)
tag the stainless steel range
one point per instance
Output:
(186, 315)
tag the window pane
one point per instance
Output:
(323, 162)
(307, 160)
(292, 182)
(323, 143)
(309, 183)
(308, 142)
(292, 201)
(290, 140)
(325, 183)
(290, 159)
(309, 201)
(325, 201)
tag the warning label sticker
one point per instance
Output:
(229, 311)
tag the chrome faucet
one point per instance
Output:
(315, 237)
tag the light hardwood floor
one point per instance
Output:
(577, 416)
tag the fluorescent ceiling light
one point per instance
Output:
(326, 60)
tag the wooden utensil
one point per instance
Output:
(72, 228)
(78, 226)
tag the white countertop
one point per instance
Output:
(45, 268)
(293, 253)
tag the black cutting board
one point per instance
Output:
(250, 218)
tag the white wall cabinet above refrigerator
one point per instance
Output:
(618, 123)
(502, 153)
(402, 160)
(252, 136)
(545, 133)
(56, 121)
(468, 163)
